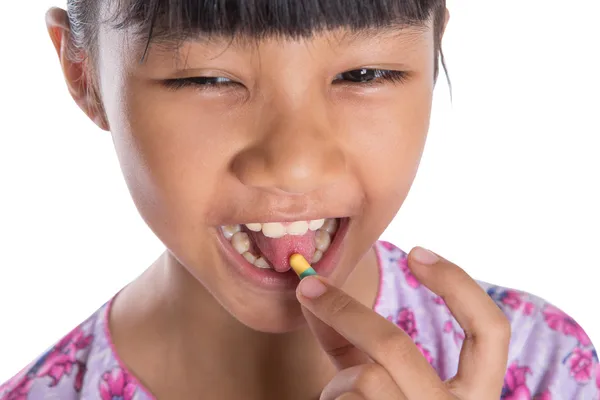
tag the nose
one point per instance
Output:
(296, 153)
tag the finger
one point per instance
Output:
(378, 338)
(368, 381)
(341, 352)
(484, 355)
(349, 396)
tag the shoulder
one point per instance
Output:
(81, 365)
(62, 367)
(550, 356)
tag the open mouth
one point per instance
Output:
(268, 246)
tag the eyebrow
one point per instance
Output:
(166, 42)
(391, 31)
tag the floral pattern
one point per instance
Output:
(117, 385)
(20, 390)
(558, 320)
(546, 395)
(515, 387)
(512, 300)
(405, 319)
(84, 363)
(408, 275)
(597, 374)
(56, 363)
(457, 336)
(581, 364)
(61, 359)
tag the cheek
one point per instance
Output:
(385, 142)
(386, 145)
(172, 153)
(173, 161)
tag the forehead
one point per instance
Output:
(167, 25)
(394, 37)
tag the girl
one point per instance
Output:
(251, 130)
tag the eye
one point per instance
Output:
(363, 77)
(369, 76)
(201, 82)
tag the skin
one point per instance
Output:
(297, 149)
(378, 361)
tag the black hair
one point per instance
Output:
(173, 21)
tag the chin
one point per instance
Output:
(275, 319)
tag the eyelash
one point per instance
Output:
(382, 76)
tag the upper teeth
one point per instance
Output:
(230, 230)
(254, 227)
(316, 224)
(330, 226)
(276, 230)
(242, 243)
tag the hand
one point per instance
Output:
(378, 361)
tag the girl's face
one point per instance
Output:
(290, 132)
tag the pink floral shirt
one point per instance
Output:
(550, 358)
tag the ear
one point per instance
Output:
(446, 19)
(441, 36)
(76, 72)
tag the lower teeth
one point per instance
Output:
(261, 263)
(249, 257)
(317, 257)
(241, 242)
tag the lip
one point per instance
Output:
(268, 279)
(284, 219)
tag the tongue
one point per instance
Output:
(278, 251)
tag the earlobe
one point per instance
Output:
(75, 70)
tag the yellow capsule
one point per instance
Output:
(300, 266)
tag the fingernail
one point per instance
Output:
(312, 287)
(424, 256)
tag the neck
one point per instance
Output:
(195, 340)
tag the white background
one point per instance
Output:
(508, 186)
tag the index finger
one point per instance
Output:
(371, 333)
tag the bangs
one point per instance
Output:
(173, 21)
